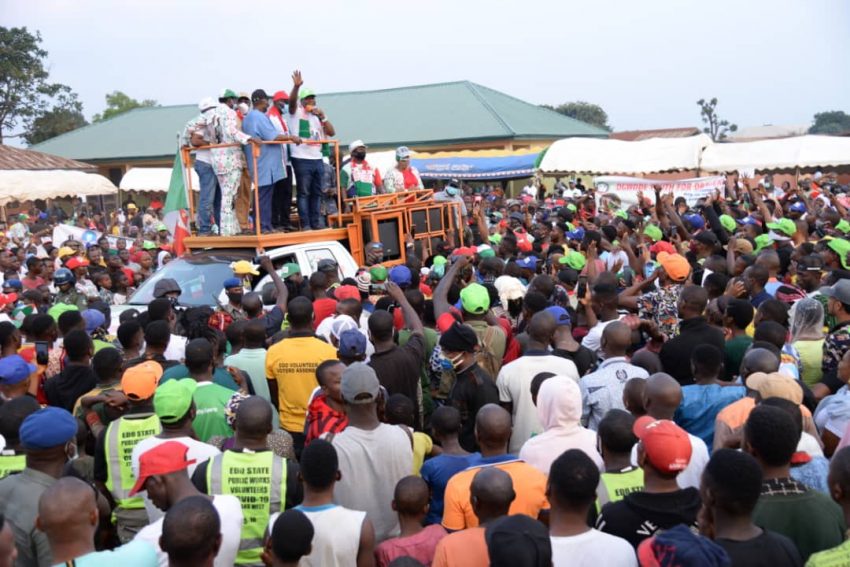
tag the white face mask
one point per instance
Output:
(243, 106)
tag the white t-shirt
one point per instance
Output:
(229, 513)
(198, 451)
(305, 151)
(593, 339)
(690, 477)
(176, 348)
(514, 382)
(336, 538)
(591, 549)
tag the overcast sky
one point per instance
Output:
(645, 62)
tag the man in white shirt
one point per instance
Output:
(162, 472)
(514, 379)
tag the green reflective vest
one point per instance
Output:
(11, 463)
(121, 436)
(258, 480)
(615, 485)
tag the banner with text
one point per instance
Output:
(627, 189)
(63, 232)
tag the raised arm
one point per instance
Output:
(441, 292)
(411, 318)
(297, 81)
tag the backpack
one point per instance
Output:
(485, 358)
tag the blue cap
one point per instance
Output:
(352, 343)
(799, 207)
(94, 319)
(561, 316)
(231, 282)
(17, 284)
(47, 428)
(750, 220)
(14, 370)
(529, 262)
(577, 234)
(697, 222)
(400, 275)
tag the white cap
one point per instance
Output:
(356, 144)
(402, 152)
(207, 103)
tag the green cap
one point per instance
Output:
(570, 226)
(23, 216)
(786, 226)
(289, 269)
(574, 260)
(173, 399)
(437, 260)
(843, 226)
(475, 299)
(840, 247)
(571, 207)
(161, 226)
(653, 232)
(228, 93)
(487, 253)
(728, 223)
(495, 238)
(59, 309)
(304, 93)
(148, 245)
(763, 241)
(378, 273)
(622, 214)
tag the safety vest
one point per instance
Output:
(11, 463)
(258, 480)
(617, 485)
(121, 436)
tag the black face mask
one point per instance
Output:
(234, 297)
(173, 301)
(358, 155)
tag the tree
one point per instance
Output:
(717, 128)
(584, 111)
(66, 115)
(831, 122)
(118, 103)
(25, 93)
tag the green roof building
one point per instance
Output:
(444, 116)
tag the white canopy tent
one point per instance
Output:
(152, 179)
(28, 185)
(785, 153)
(592, 155)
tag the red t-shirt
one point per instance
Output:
(410, 181)
(323, 308)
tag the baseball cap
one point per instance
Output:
(561, 316)
(165, 458)
(206, 103)
(785, 226)
(843, 226)
(14, 284)
(65, 251)
(840, 291)
(244, 267)
(475, 299)
(574, 260)
(231, 282)
(697, 222)
(577, 234)
(486, 251)
(289, 269)
(148, 245)
(14, 370)
(529, 262)
(798, 207)
(675, 265)
(347, 292)
(662, 246)
(402, 152)
(259, 95)
(495, 239)
(743, 246)
(94, 319)
(47, 428)
(519, 540)
(173, 399)
(356, 144)
(707, 237)
(58, 309)
(227, 93)
(653, 232)
(763, 241)
(305, 93)
(840, 247)
(667, 446)
(139, 382)
(378, 273)
(342, 323)
(352, 343)
(76, 262)
(360, 384)
(400, 275)
(161, 226)
(775, 385)
(280, 95)
(327, 265)
(749, 220)
(728, 223)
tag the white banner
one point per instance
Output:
(63, 232)
(627, 189)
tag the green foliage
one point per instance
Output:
(66, 115)
(118, 103)
(584, 111)
(831, 122)
(716, 128)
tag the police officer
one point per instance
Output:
(114, 448)
(15, 375)
(65, 282)
(12, 415)
(264, 483)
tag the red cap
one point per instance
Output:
(445, 321)
(662, 246)
(7, 298)
(76, 262)
(166, 458)
(667, 446)
(524, 245)
(347, 292)
(280, 95)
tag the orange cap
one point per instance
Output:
(139, 382)
(675, 265)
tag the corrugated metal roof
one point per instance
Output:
(444, 113)
(17, 158)
(638, 135)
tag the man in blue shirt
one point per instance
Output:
(270, 162)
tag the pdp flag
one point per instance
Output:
(176, 216)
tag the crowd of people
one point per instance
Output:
(563, 383)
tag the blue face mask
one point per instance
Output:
(451, 191)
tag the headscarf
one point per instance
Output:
(807, 320)
(509, 288)
(160, 257)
